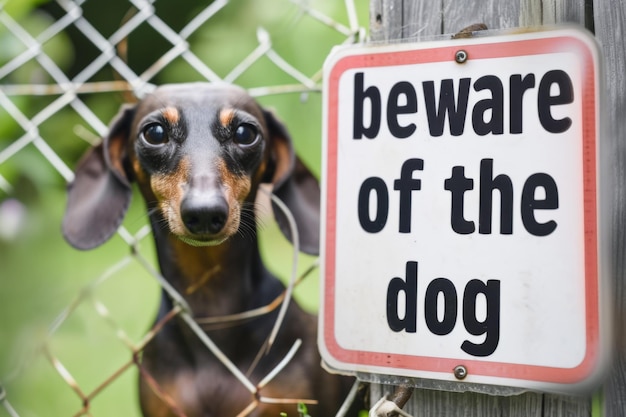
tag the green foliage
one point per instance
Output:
(59, 50)
(18, 9)
(302, 410)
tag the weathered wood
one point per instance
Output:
(392, 20)
(427, 403)
(534, 12)
(382, 13)
(610, 28)
(496, 14)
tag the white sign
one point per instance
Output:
(461, 210)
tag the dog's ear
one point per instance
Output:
(100, 193)
(295, 186)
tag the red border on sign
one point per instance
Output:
(485, 368)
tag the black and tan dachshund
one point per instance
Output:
(198, 153)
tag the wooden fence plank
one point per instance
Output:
(394, 20)
(423, 18)
(391, 19)
(549, 12)
(610, 28)
(496, 14)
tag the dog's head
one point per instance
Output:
(198, 153)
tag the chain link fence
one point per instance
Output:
(65, 68)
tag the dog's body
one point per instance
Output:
(199, 153)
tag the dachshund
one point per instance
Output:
(199, 152)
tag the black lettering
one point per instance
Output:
(458, 184)
(394, 109)
(409, 288)
(376, 224)
(530, 204)
(431, 303)
(490, 327)
(545, 100)
(455, 108)
(485, 205)
(518, 87)
(405, 184)
(495, 104)
(372, 93)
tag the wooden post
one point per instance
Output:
(392, 20)
(609, 21)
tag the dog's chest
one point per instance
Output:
(211, 390)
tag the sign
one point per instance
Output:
(461, 208)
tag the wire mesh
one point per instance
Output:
(65, 67)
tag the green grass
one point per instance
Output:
(42, 276)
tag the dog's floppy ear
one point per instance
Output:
(296, 186)
(100, 193)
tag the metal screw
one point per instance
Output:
(460, 56)
(460, 372)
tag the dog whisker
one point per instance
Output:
(247, 225)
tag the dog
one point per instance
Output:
(199, 153)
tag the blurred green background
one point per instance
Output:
(40, 275)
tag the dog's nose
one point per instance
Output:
(202, 217)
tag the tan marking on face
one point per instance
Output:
(116, 151)
(260, 172)
(142, 179)
(140, 174)
(238, 185)
(169, 191)
(283, 160)
(236, 191)
(171, 114)
(226, 116)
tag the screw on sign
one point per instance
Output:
(460, 56)
(462, 211)
(460, 372)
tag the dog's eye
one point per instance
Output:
(155, 134)
(245, 134)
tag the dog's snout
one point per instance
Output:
(204, 216)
